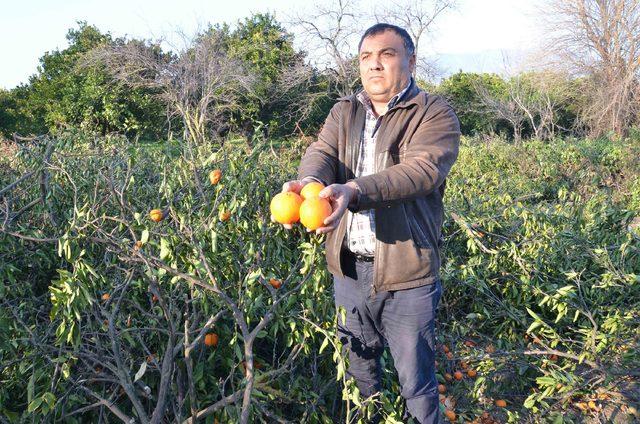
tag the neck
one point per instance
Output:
(379, 108)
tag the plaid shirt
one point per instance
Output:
(361, 227)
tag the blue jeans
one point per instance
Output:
(405, 319)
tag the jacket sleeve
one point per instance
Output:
(428, 158)
(320, 160)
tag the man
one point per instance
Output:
(383, 155)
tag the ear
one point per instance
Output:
(412, 63)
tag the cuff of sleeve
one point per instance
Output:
(353, 207)
(312, 178)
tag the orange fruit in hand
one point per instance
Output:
(314, 211)
(501, 403)
(285, 207)
(214, 176)
(275, 283)
(311, 189)
(156, 215)
(211, 339)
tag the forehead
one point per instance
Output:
(382, 40)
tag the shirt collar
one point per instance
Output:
(366, 101)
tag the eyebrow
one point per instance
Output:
(381, 51)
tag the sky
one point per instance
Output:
(479, 36)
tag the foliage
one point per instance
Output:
(540, 255)
(69, 92)
(460, 90)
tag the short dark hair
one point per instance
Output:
(381, 27)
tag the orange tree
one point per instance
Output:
(140, 352)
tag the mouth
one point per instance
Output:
(375, 77)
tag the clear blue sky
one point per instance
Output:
(473, 38)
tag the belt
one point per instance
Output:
(358, 257)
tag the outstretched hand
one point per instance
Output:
(339, 196)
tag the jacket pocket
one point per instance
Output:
(418, 234)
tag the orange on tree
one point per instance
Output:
(464, 365)
(285, 207)
(314, 211)
(106, 296)
(448, 377)
(275, 283)
(442, 388)
(224, 215)
(445, 348)
(137, 245)
(501, 403)
(472, 373)
(211, 339)
(214, 176)
(451, 416)
(311, 189)
(458, 375)
(156, 215)
(449, 355)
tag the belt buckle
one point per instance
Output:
(363, 258)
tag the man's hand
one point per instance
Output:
(340, 196)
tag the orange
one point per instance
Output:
(314, 211)
(464, 365)
(472, 373)
(442, 388)
(311, 189)
(214, 176)
(450, 415)
(458, 375)
(285, 207)
(448, 377)
(501, 403)
(106, 296)
(275, 283)
(137, 245)
(211, 339)
(445, 348)
(449, 355)
(224, 215)
(156, 215)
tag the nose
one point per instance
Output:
(375, 64)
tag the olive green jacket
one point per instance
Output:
(416, 145)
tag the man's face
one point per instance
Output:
(385, 67)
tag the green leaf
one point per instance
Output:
(324, 344)
(141, 371)
(35, 404)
